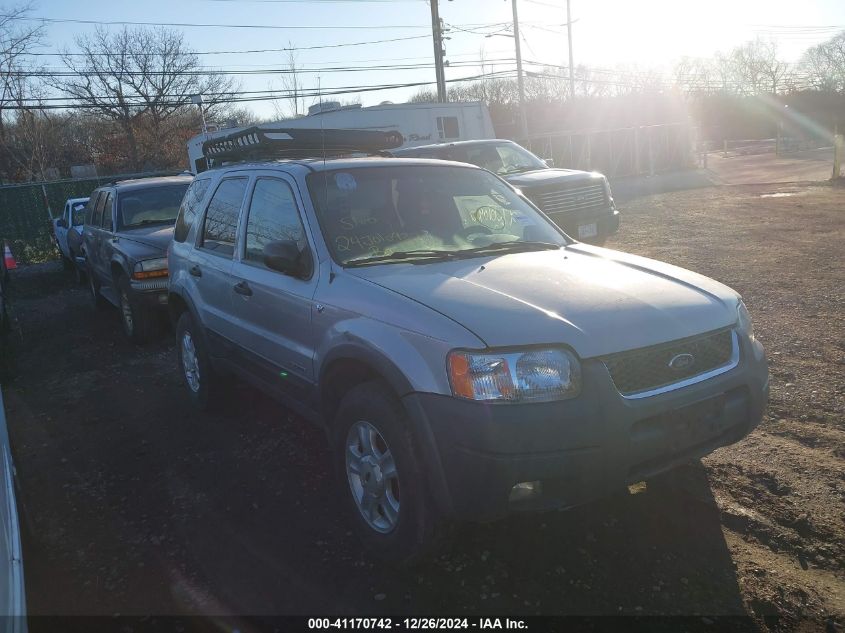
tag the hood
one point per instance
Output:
(156, 238)
(542, 177)
(595, 300)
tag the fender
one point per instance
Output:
(121, 260)
(192, 308)
(384, 366)
(425, 443)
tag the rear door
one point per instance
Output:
(210, 262)
(274, 309)
(105, 239)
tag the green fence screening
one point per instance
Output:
(27, 210)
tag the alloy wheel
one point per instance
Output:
(373, 478)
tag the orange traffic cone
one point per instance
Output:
(11, 264)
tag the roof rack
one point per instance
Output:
(262, 143)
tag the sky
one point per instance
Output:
(605, 33)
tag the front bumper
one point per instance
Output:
(151, 293)
(580, 449)
(607, 221)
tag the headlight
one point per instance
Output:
(148, 268)
(539, 375)
(743, 320)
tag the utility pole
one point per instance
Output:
(523, 121)
(569, 40)
(437, 32)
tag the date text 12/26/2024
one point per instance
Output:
(414, 624)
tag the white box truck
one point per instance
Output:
(419, 123)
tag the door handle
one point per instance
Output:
(243, 289)
(195, 271)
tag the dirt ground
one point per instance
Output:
(805, 166)
(136, 504)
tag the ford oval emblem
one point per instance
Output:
(681, 362)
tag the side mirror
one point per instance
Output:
(285, 257)
(62, 223)
(550, 162)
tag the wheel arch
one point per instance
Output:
(350, 365)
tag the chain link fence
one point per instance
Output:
(27, 211)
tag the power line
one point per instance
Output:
(256, 50)
(315, 1)
(222, 26)
(204, 72)
(272, 95)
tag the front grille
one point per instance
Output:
(648, 368)
(571, 200)
(153, 284)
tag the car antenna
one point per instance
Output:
(325, 176)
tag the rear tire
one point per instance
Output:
(203, 384)
(380, 479)
(139, 323)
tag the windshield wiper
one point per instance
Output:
(513, 246)
(420, 255)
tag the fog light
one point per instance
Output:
(525, 490)
(162, 298)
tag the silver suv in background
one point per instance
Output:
(464, 356)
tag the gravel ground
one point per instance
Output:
(135, 504)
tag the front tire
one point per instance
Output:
(202, 382)
(139, 324)
(380, 478)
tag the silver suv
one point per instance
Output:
(465, 357)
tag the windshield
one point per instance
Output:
(153, 205)
(500, 158)
(430, 210)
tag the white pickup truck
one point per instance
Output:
(67, 229)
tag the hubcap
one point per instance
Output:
(372, 475)
(189, 362)
(126, 309)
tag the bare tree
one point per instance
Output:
(17, 39)
(693, 75)
(293, 105)
(757, 68)
(824, 65)
(141, 79)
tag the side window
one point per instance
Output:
(189, 207)
(447, 127)
(107, 212)
(98, 210)
(221, 218)
(273, 216)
